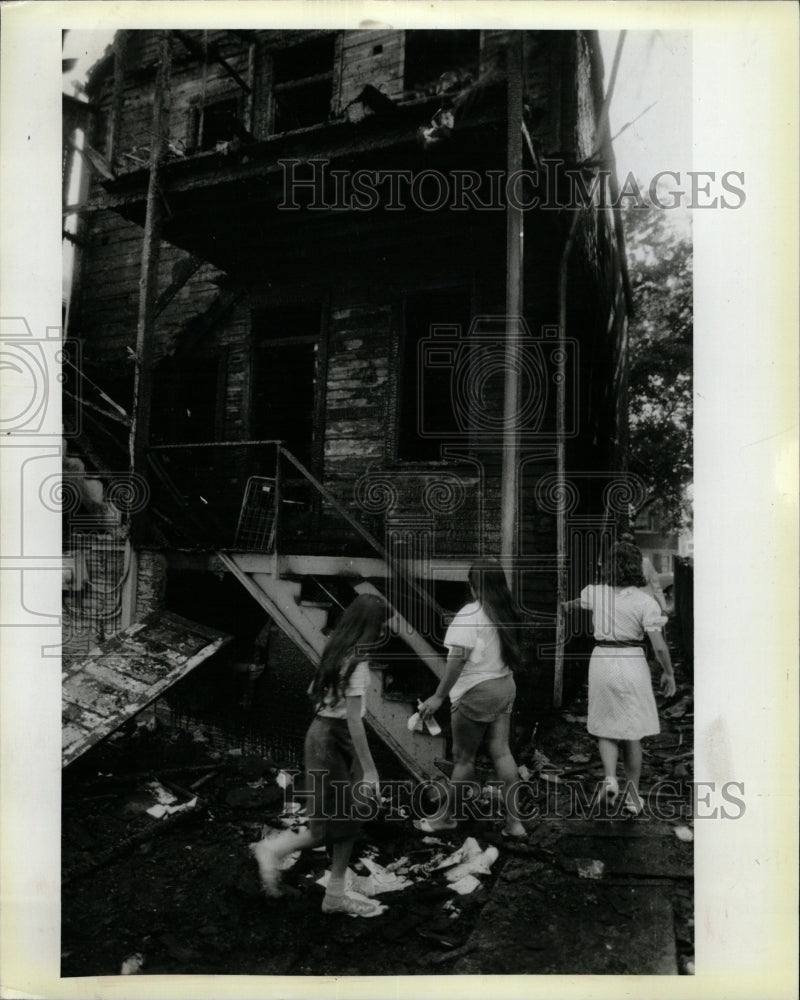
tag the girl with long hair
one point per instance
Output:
(484, 647)
(337, 758)
(622, 708)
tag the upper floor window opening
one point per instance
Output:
(429, 54)
(302, 83)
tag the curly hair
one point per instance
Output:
(623, 568)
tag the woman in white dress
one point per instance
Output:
(622, 708)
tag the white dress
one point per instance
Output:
(621, 701)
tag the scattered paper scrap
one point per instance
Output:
(383, 880)
(590, 868)
(159, 811)
(416, 724)
(469, 849)
(161, 794)
(132, 965)
(478, 864)
(684, 833)
(465, 885)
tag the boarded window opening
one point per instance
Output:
(435, 321)
(428, 54)
(302, 83)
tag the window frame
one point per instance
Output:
(399, 347)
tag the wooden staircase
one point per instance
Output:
(274, 579)
(387, 712)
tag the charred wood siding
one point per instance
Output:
(358, 367)
(364, 264)
(370, 57)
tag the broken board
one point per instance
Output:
(126, 674)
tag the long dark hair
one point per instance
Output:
(623, 566)
(488, 581)
(360, 626)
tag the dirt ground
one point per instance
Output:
(180, 894)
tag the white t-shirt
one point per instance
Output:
(473, 631)
(356, 685)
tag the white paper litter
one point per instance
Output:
(416, 724)
(361, 886)
(479, 864)
(132, 966)
(684, 833)
(159, 811)
(465, 885)
(397, 865)
(283, 778)
(591, 868)
(469, 849)
(384, 880)
(161, 794)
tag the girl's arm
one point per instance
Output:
(359, 737)
(571, 605)
(663, 657)
(456, 659)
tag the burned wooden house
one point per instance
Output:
(360, 304)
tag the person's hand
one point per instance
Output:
(372, 783)
(430, 705)
(668, 684)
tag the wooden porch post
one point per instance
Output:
(602, 141)
(514, 260)
(148, 279)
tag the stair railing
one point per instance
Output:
(368, 537)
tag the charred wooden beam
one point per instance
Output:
(115, 116)
(148, 281)
(182, 272)
(211, 52)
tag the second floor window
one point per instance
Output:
(429, 54)
(302, 83)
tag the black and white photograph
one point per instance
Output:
(396, 382)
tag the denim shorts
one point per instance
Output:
(486, 701)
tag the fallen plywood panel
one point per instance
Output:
(126, 674)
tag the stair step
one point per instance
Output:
(324, 605)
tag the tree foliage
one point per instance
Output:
(660, 346)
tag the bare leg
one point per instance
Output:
(270, 852)
(609, 751)
(467, 736)
(506, 769)
(632, 758)
(336, 899)
(341, 853)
